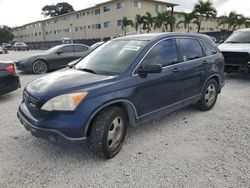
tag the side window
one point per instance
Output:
(68, 49)
(209, 49)
(81, 48)
(190, 49)
(164, 53)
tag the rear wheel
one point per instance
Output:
(209, 96)
(40, 67)
(108, 132)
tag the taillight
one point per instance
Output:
(11, 69)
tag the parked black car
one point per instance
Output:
(20, 46)
(55, 58)
(9, 81)
(124, 82)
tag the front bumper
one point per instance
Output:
(53, 135)
(20, 66)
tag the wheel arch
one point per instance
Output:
(216, 77)
(125, 104)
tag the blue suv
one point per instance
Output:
(124, 82)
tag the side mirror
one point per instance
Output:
(59, 52)
(150, 69)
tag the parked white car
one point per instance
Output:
(1, 50)
(236, 50)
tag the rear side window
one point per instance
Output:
(190, 49)
(209, 49)
(164, 53)
(68, 49)
(80, 48)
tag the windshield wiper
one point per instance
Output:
(88, 70)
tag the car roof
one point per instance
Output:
(245, 29)
(158, 36)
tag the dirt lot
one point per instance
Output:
(188, 148)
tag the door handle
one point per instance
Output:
(176, 69)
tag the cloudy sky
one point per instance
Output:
(19, 12)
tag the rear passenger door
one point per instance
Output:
(193, 67)
(80, 51)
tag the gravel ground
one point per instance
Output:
(187, 148)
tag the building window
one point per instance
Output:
(119, 23)
(40, 33)
(106, 9)
(107, 24)
(97, 26)
(97, 11)
(83, 14)
(120, 5)
(89, 26)
(88, 13)
(158, 8)
(76, 29)
(77, 16)
(137, 4)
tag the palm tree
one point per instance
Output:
(188, 19)
(163, 20)
(241, 20)
(125, 23)
(204, 9)
(222, 20)
(148, 22)
(139, 20)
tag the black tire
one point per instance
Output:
(106, 139)
(40, 67)
(209, 96)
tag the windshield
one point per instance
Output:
(239, 37)
(111, 58)
(54, 49)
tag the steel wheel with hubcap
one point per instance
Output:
(115, 133)
(40, 67)
(108, 131)
(209, 95)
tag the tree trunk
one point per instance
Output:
(199, 26)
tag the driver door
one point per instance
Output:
(161, 92)
(63, 56)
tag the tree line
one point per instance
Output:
(202, 9)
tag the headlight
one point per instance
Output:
(67, 102)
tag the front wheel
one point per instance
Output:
(209, 96)
(108, 132)
(40, 67)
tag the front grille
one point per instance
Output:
(236, 58)
(33, 105)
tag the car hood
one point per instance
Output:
(66, 81)
(230, 47)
